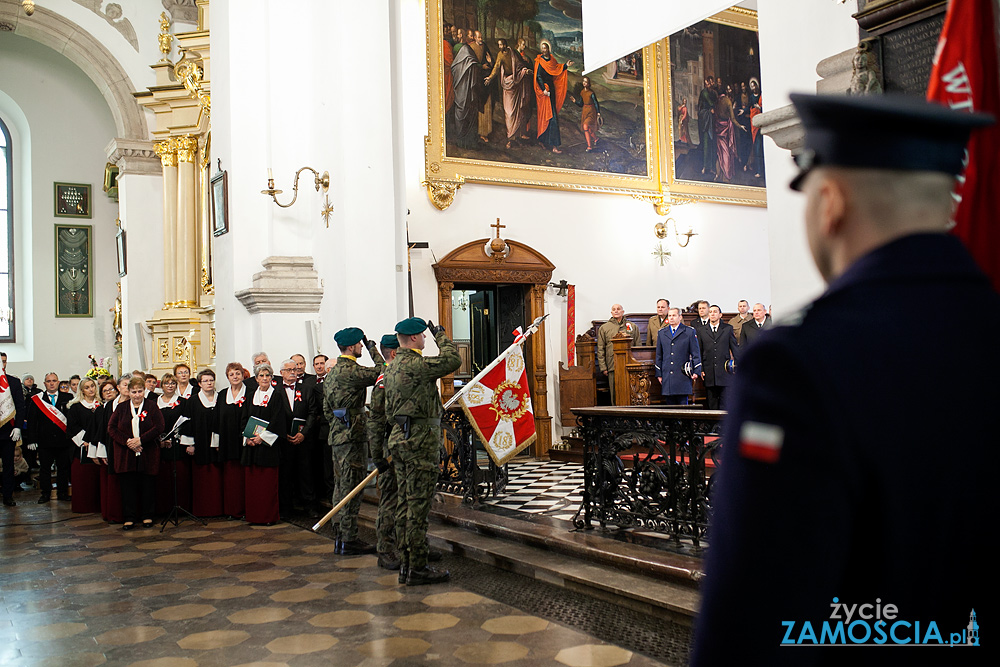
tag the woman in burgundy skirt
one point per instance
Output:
(111, 493)
(172, 455)
(260, 453)
(202, 443)
(230, 415)
(134, 430)
(84, 422)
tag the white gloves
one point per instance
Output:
(15, 435)
(32, 447)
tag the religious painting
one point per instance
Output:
(72, 200)
(220, 203)
(73, 287)
(509, 102)
(712, 92)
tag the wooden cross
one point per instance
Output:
(498, 227)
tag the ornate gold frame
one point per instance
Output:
(445, 175)
(697, 190)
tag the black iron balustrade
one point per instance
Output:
(663, 488)
(466, 469)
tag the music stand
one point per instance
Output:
(174, 515)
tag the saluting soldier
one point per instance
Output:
(413, 404)
(378, 445)
(345, 389)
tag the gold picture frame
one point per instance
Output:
(682, 179)
(447, 167)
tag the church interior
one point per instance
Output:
(234, 195)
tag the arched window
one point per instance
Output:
(7, 334)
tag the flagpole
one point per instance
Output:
(532, 328)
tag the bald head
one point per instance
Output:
(617, 311)
(850, 212)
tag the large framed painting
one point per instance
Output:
(508, 103)
(74, 291)
(710, 92)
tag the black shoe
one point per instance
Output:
(404, 569)
(427, 575)
(356, 548)
(388, 561)
(43, 500)
(128, 526)
(66, 498)
(338, 547)
(433, 555)
(147, 523)
(9, 502)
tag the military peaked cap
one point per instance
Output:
(349, 336)
(390, 342)
(882, 132)
(411, 326)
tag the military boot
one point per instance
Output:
(355, 548)
(404, 567)
(427, 575)
(388, 561)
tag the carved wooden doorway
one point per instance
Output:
(521, 278)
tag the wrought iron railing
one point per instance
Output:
(645, 468)
(466, 468)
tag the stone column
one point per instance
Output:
(167, 151)
(186, 255)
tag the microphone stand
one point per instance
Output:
(174, 516)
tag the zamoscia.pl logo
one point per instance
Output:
(875, 625)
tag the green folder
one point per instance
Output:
(255, 426)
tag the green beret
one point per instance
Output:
(349, 336)
(411, 326)
(390, 342)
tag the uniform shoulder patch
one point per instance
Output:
(761, 442)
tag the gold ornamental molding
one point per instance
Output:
(191, 74)
(166, 150)
(187, 146)
(442, 193)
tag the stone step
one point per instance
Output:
(640, 578)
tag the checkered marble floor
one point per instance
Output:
(549, 488)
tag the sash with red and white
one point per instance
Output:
(7, 411)
(50, 411)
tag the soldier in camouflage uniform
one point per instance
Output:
(344, 392)
(413, 406)
(378, 435)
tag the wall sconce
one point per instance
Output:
(562, 287)
(660, 229)
(320, 181)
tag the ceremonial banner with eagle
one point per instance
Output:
(498, 405)
(7, 411)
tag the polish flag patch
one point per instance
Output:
(761, 442)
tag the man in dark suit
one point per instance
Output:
(678, 359)
(718, 345)
(296, 486)
(47, 435)
(830, 502)
(702, 319)
(752, 329)
(324, 470)
(11, 414)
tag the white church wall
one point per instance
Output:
(293, 97)
(69, 125)
(788, 56)
(601, 243)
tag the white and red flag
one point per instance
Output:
(966, 77)
(7, 411)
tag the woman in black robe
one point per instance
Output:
(230, 416)
(84, 423)
(202, 444)
(173, 459)
(260, 456)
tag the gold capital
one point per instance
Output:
(166, 150)
(186, 148)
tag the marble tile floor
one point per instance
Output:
(76, 591)
(549, 488)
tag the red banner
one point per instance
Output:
(570, 325)
(966, 77)
(7, 411)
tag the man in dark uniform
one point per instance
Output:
(853, 493)
(297, 470)
(47, 435)
(755, 326)
(718, 346)
(345, 389)
(413, 404)
(678, 359)
(11, 414)
(378, 432)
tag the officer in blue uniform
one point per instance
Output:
(853, 483)
(678, 359)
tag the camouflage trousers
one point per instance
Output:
(349, 470)
(385, 520)
(417, 465)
